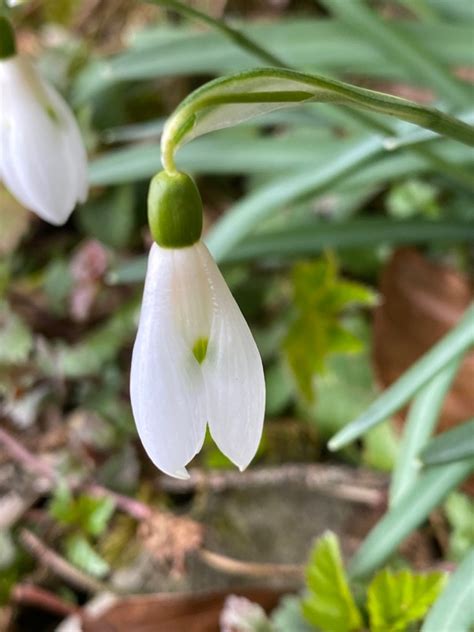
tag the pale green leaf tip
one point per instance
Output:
(200, 349)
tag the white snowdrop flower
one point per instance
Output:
(195, 362)
(43, 162)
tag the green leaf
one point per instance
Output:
(410, 53)
(459, 510)
(458, 340)
(110, 218)
(413, 508)
(421, 421)
(320, 297)
(454, 610)
(453, 445)
(329, 604)
(307, 42)
(94, 513)
(80, 552)
(16, 340)
(395, 600)
(89, 513)
(88, 356)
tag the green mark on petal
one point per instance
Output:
(200, 349)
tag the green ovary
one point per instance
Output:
(200, 349)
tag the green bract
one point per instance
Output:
(7, 39)
(174, 210)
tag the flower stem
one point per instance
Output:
(7, 39)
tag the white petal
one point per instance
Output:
(43, 159)
(233, 373)
(166, 384)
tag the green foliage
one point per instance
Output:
(454, 610)
(320, 297)
(90, 514)
(16, 341)
(412, 198)
(329, 604)
(79, 551)
(109, 218)
(459, 510)
(287, 616)
(397, 599)
(453, 445)
(101, 345)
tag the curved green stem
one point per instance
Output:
(249, 87)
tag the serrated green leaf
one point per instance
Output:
(397, 599)
(88, 513)
(329, 604)
(80, 552)
(320, 297)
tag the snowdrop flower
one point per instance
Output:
(194, 361)
(43, 162)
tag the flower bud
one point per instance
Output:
(174, 210)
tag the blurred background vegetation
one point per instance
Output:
(347, 240)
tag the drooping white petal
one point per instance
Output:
(166, 384)
(43, 160)
(233, 374)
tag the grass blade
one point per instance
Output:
(238, 223)
(455, 342)
(420, 423)
(311, 239)
(454, 445)
(454, 610)
(414, 507)
(408, 52)
(235, 36)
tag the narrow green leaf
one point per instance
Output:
(454, 610)
(311, 239)
(412, 509)
(454, 445)
(420, 65)
(239, 221)
(395, 600)
(329, 605)
(311, 43)
(392, 399)
(240, 39)
(419, 425)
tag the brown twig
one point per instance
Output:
(36, 465)
(60, 566)
(28, 460)
(356, 486)
(254, 569)
(43, 599)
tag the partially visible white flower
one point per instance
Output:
(194, 363)
(43, 162)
